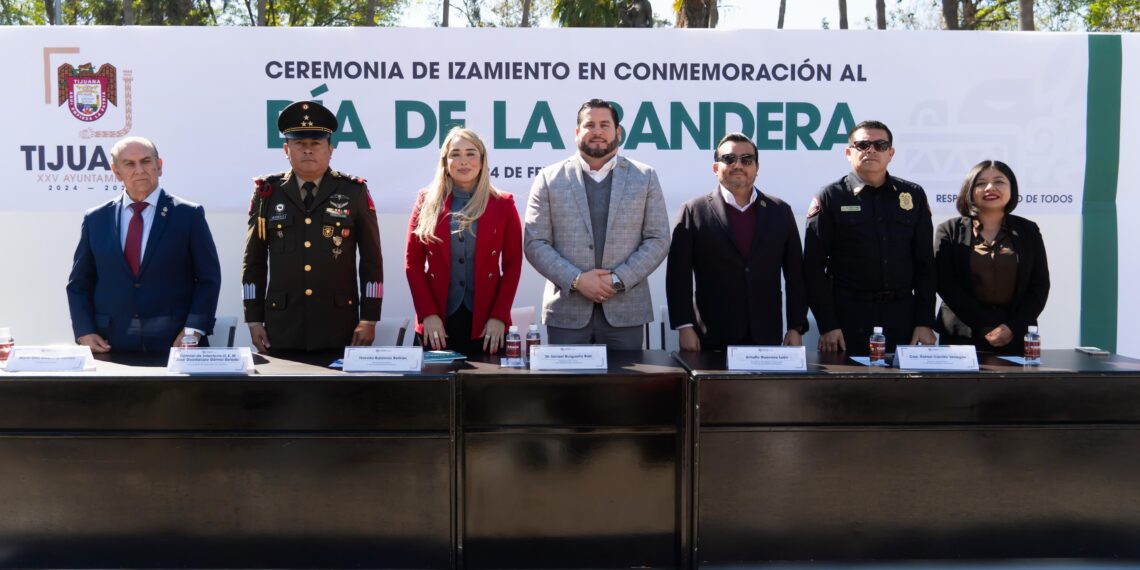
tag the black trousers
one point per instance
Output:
(458, 328)
(858, 316)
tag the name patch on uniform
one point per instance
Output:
(855, 208)
(278, 217)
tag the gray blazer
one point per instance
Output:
(558, 240)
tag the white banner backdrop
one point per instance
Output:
(1128, 200)
(209, 96)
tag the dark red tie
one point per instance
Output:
(133, 248)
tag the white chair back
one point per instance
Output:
(669, 338)
(523, 317)
(224, 330)
(391, 332)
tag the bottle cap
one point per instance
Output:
(1031, 329)
(533, 327)
(878, 330)
(514, 328)
(5, 333)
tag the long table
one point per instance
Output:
(660, 461)
(857, 464)
(299, 466)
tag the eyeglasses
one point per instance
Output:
(730, 159)
(880, 145)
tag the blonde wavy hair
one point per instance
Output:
(436, 193)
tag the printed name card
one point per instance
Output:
(956, 357)
(210, 361)
(383, 358)
(569, 357)
(767, 358)
(50, 359)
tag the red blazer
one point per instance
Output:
(498, 263)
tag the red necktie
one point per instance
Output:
(133, 248)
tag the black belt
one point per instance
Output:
(889, 296)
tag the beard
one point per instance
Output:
(591, 152)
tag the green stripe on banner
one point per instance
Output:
(1099, 247)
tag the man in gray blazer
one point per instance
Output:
(596, 227)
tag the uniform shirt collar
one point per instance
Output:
(601, 173)
(316, 183)
(151, 199)
(731, 200)
(856, 184)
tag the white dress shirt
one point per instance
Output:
(126, 213)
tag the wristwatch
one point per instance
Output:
(616, 282)
(574, 283)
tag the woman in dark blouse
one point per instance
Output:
(992, 273)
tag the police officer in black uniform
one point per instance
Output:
(869, 252)
(299, 274)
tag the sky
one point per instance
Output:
(799, 14)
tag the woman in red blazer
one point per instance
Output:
(464, 252)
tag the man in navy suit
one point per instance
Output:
(146, 266)
(734, 243)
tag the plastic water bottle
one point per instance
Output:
(1032, 347)
(189, 339)
(6, 343)
(514, 346)
(878, 344)
(533, 339)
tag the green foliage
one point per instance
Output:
(586, 13)
(202, 12)
(331, 12)
(1049, 15)
(1113, 16)
(21, 13)
(499, 13)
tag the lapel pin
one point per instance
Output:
(164, 210)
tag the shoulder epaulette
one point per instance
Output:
(346, 176)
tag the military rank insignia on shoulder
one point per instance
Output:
(361, 181)
(357, 179)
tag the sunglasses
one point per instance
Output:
(730, 159)
(880, 145)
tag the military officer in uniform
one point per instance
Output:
(299, 275)
(869, 252)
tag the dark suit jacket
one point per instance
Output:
(961, 318)
(498, 263)
(727, 282)
(177, 286)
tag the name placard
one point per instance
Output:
(569, 357)
(383, 359)
(237, 360)
(50, 359)
(955, 357)
(767, 358)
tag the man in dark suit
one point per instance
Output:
(146, 266)
(734, 243)
(305, 227)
